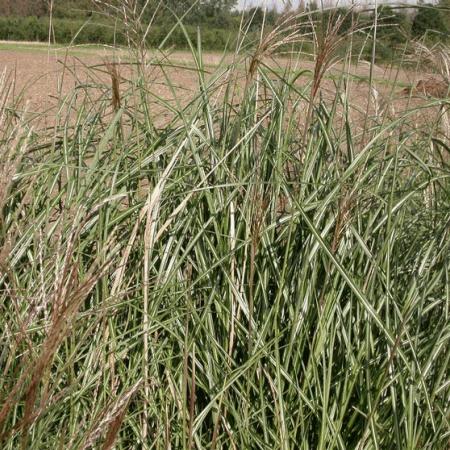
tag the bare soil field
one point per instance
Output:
(41, 75)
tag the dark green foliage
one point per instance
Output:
(255, 16)
(393, 30)
(219, 23)
(66, 30)
(393, 27)
(430, 21)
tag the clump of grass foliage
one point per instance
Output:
(260, 272)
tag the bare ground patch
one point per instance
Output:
(41, 76)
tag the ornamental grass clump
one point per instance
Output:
(262, 270)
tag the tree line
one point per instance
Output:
(218, 20)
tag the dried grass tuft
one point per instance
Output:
(429, 87)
